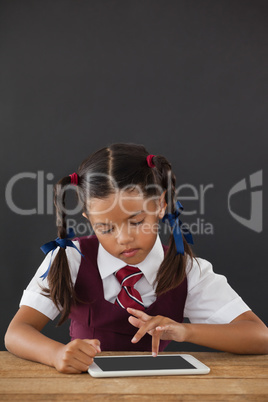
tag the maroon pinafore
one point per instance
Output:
(96, 318)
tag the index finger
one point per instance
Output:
(155, 343)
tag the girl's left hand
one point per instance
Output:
(158, 327)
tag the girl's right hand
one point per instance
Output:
(76, 356)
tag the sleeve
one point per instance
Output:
(210, 299)
(33, 296)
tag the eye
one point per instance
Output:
(137, 223)
(107, 231)
(101, 231)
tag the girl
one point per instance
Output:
(121, 288)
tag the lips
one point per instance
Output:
(130, 252)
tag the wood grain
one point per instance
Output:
(232, 378)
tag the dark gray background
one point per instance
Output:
(188, 79)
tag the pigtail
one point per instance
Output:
(172, 269)
(61, 289)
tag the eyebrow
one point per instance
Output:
(107, 224)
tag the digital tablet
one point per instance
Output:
(143, 365)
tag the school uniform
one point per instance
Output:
(203, 296)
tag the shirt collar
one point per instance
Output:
(108, 264)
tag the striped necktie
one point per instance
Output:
(128, 295)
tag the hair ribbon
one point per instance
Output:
(74, 179)
(175, 223)
(63, 243)
(150, 161)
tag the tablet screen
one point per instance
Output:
(130, 363)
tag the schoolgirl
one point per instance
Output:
(121, 288)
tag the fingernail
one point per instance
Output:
(98, 349)
(154, 354)
(133, 339)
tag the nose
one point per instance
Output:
(124, 235)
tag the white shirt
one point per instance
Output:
(210, 299)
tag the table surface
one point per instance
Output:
(231, 378)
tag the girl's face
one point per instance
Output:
(126, 224)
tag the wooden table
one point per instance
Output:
(232, 378)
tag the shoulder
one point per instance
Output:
(88, 245)
(210, 298)
(199, 270)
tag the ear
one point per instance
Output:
(162, 205)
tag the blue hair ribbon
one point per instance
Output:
(63, 243)
(175, 223)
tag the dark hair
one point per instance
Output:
(125, 165)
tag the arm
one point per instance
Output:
(24, 339)
(246, 334)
